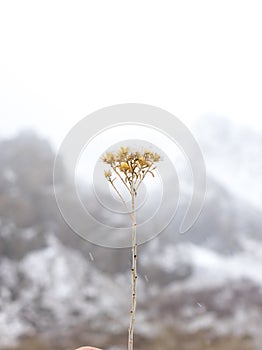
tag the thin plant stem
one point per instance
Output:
(134, 276)
(120, 196)
(142, 178)
(121, 179)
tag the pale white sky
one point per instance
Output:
(61, 60)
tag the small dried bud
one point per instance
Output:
(108, 158)
(156, 157)
(108, 174)
(124, 150)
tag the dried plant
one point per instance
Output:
(131, 168)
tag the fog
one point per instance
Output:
(60, 61)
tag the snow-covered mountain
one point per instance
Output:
(52, 285)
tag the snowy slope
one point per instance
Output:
(209, 278)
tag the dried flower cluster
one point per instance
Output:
(131, 167)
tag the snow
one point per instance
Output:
(70, 288)
(61, 281)
(213, 269)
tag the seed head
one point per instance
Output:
(108, 174)
(132, 167)
(109, 158)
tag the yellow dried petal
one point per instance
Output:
(124, 165)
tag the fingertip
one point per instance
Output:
(88, 348)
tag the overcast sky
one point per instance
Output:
(61, 60)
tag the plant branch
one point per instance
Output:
(114, 168)
(142, 178)
(120, 196)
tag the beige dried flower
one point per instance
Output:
(108, 174)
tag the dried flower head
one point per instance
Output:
(131, 167)
(108, 174)
(108, 158)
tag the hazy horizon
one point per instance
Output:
(61, 61)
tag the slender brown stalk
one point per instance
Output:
(120, 196)
(134, 276)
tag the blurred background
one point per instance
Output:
(202, 62)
